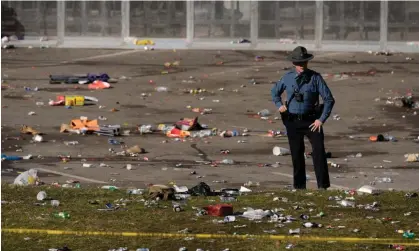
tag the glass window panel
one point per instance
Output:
(287, 19)
(351, 20)
(160, 19)
(29, 18)
(218, 19)
(93, 18)
(403, 21)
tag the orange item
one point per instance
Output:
(91, 125)
(177, 133)
(373, 138)
(97, 84)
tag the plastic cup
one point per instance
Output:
(55, 203)
(41, 195)
(278, 151)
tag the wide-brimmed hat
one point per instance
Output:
(299, 55)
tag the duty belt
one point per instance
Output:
(308, 116)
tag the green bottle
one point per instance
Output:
(62, 215)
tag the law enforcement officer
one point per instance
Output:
(303, 115)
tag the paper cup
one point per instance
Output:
(279, 151)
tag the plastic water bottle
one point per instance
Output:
(311, 225)
(135, 191)
(227, 161)
(143, 249)
(145, 129)
(161, 89)
(390, 138)
(71, 143)
(227, 199)
(203, 133)
(384, 180)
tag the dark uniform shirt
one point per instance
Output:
(309, 83)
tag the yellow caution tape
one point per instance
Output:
(214, 236)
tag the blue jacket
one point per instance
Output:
(311, 88)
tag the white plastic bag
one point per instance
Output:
(257, 214)
(29, 177)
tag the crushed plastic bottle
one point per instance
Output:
(311, 225)
(145, 129)
(204, 133)
(71, 143)
(227, 161)
(390, 138)
(257, 214)
(135, 191)
(112, 188)
(294, 231)
(162, 89)
(384, 180)
(227, 199)
(264, 113)
(143, 249)
(346, 203)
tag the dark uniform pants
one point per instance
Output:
(296, 129)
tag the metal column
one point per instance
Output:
(190, 12)
(60, 22)
(105, 18)
(40, 17)
(125, 12)
(84, 20)
(233, 5)
(383, 24)
(318, 29)
(254, 22)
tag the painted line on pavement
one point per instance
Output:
(71, 176)
(102, 56)
(399, 241)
